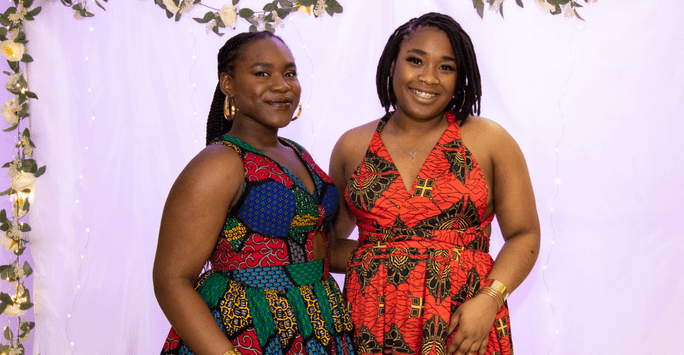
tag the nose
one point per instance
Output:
(279, 84)
(428, 76)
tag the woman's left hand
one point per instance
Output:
(474, 319)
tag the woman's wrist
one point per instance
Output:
(494, 289)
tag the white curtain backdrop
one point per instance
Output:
(596, 106)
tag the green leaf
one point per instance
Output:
(14, 66)
(34, 12)
(40, 171)
(479, 6)
(520, 3)
(556, 10)
(577, 14)
(100, 5)
(28, 3)
(207, 17)
(10, 130)
(31, 95)
(27, 268)
(285, 3)
(307, 2)
(252, 28)
(178, 16)
(245, 13)
(335, 6)
(25, 227)
(26, 58)
(8, 334)
(3, 216)
(26, 306)
(235, 2)
(19, 251)
(269, 7)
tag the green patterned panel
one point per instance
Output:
(306, 273)
(299, 309)
(322, 297)
(212, 288)
(261, 314)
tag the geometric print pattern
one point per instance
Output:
(422, 253)
(267, 294)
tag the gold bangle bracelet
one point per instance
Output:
(493, 293)
(499, 287)
(232, 351)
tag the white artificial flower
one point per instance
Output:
(23, 181)
(13, 51)
(18, 16)
(228, 15)
(171, 6)
(496, 5)
(15, 351)
(278, 22)
(8, 241)
(545, 6)
(77, 15)
(319, 8)
(25, 145)
(12, 81)
(568, 10)
(304, 10)
(186, 6)
(261, 24)
(10, 113)
(14, 309)
(14, 33)
(211, 25)
(13, 168)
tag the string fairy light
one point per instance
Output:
(86, 226)
(557, 182)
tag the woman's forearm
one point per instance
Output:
(516, 259)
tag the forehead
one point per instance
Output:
(431, 40)
(265, 50)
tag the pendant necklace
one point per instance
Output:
(412, 154)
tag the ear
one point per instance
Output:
(226, 83)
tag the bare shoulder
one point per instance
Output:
(350, 150)
(215, 167)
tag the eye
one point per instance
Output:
(261, 73)
(414, 60)
(291, 74)
(446, 67)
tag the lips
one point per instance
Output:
(283, 100)
(424, 94)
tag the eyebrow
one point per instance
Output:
(422, 52)
(270, 65)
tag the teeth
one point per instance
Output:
(424, 94)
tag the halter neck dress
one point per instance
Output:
(422, 252)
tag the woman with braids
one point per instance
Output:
(423, 184)
(258, 209)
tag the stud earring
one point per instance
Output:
(229, 108)
(298, 112)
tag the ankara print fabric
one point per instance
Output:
(266, 293)
(421, 253)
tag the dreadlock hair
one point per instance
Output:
(217, 124)
(468, 81)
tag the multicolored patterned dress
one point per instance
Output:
(264, 290)
(421, 253)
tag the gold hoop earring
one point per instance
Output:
(229, 108)
(298, 112)
(462, 103)
(389, 99)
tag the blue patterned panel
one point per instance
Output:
(268, 209)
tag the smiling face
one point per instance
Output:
(424, 74)
(264, 84)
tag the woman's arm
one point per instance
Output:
(515, 208)
(193, 216)
(346, 156)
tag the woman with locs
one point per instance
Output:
(423, 184)
(258, 209)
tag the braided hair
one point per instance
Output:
(217, 124)
(468, 81)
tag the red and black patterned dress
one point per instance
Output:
(266, 293)
(421, 253)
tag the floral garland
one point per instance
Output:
(555, 7)
(267, 19)
(23, 171)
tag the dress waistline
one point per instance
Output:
(473, 239)
(280, 277)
